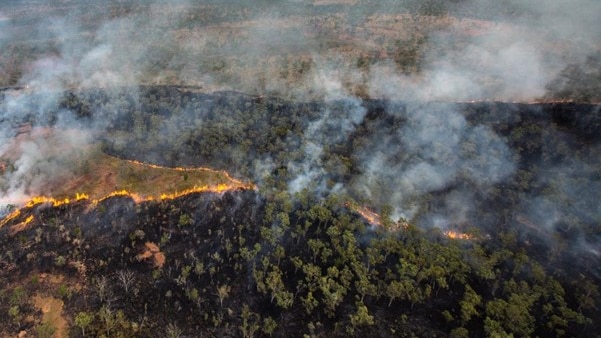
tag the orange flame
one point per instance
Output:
(234, 184)
(16, 213)
(370, 216)
(458, 235)
(21, 226)
(220, 187)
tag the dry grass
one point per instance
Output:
(52, 313)
(102, 175)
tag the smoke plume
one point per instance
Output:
(336, 53)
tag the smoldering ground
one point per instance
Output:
(469, 50)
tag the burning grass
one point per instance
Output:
(98, 176)
(106, 175)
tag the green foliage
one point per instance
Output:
(45, 330)
(470, 303)
(184, 220)
(15, 315)
(18, 296)
(250, 322)
(83, 320)
(64, 292)
(362, 316)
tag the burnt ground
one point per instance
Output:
(264, 262)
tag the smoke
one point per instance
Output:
(567, 202)
(435, 149)
(412, 51)
(342, 114)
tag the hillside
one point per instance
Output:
(327, 168)
(272, 261)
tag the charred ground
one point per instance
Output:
(270, 262)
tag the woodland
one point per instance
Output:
(270, 263)
(327, 168)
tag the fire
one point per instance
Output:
(37, 200)
(367, 214)
(55, 202)
(370, 216)
(219, 188)
(458, 235)
(21, 226)
(16, 213)
(99, 195)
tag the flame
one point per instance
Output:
(370, 216)
(21, 226)
(36, 200)
(219, 188)
(55, 202)
(458, 235)
(233, 184)
(16, 213)
(367, 214)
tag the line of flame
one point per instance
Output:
(220, 188)
(246, 185)
(458, 235)
(16, 213)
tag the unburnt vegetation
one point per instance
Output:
(367, 172)
(271, 262)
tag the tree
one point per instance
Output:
(172, 331)
(471, 300)
(223, 292)
(250, 322)
(15, 314)
(108, 319)
(394, 290)
(103, 289)
(45, 330)
(278, 290)
(83, 320)
(127, 278)
(269, 325)
(362, 316)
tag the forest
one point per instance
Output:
(273, 261)
(300, 168)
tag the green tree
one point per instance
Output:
(469, 304)
(45, 330)
(250, 322)
(83, 320)
(362, 316)
(222, 293)
(276, 286)
(15, 315)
